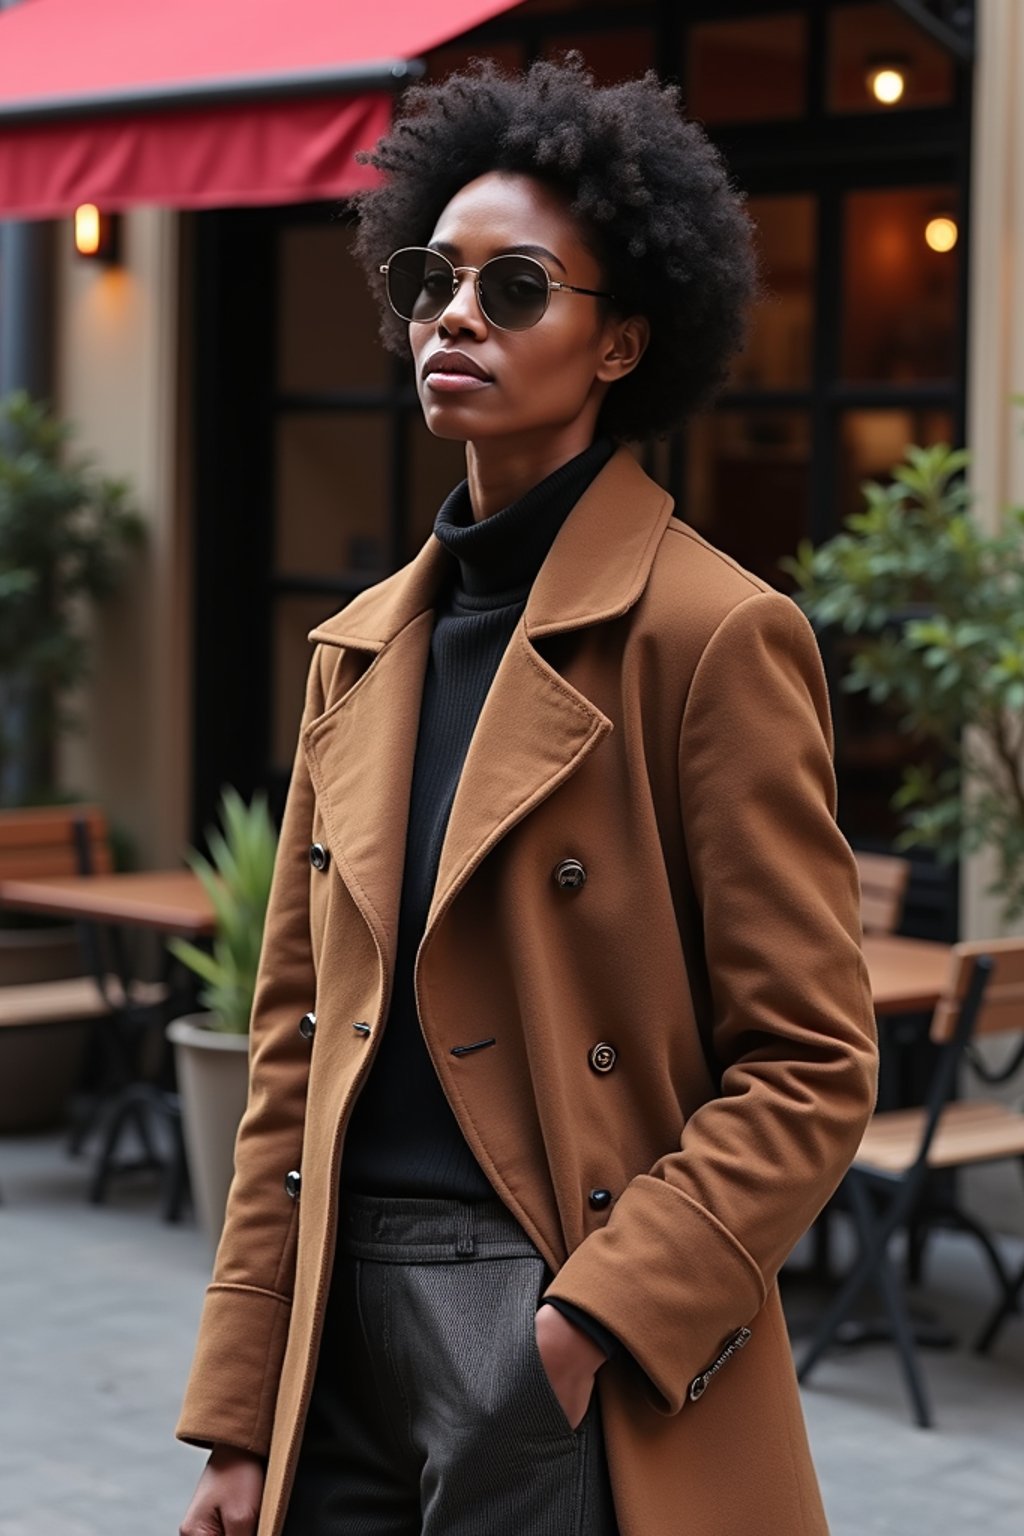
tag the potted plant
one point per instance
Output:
(65, 533)
(937, 606)
(211, 1047)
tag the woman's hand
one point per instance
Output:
(228, 1496)
(571, 1359)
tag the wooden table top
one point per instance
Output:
(907, 975)
(171, 900)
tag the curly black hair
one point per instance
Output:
(652, 194)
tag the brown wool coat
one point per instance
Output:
(661, 716)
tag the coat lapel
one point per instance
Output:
(360, 750)
(534, 731)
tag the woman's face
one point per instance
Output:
(536, 381)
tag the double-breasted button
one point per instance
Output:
(307, 1026)
(293, 1183)
(603, 1056)
(569, 875)
(319, 856)
(600, 1199)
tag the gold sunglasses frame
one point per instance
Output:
(552, 286)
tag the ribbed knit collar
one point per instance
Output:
(502, 553)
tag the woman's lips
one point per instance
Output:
(451, 371)
(455, 383)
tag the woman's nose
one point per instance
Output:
(463, 312)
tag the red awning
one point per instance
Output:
(203, 103)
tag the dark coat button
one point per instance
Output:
(603, 1056)
(319, 856)
(570, 874)
(600, 1199)
(293, 1183)
(307, 1026)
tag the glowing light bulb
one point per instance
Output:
(87, 229)
(887, 85)
(941, 233)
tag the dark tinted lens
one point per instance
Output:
(419, 284)
(513, 291)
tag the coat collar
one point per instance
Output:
(596, 569)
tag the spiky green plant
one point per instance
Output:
(237, 880)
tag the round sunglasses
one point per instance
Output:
(513, 292)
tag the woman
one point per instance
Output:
(562, 1036)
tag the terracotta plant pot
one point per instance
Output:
(213, 1079)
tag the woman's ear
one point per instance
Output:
(626, 344)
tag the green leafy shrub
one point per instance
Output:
(237, 881)
(65, 531)
(938, 607)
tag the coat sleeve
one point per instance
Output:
(233, 1382)
(693, 1246)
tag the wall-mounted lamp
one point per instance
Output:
(97, 234)
(941, 232)
(887, 78)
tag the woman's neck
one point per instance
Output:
(499, 472)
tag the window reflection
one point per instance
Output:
(748, 71)
(778, 350)
(871, 442)
(612, 56)
(331, 514)
(899, 293)
(326, 316)
(747, 485)
(867, 39)
(872, 747)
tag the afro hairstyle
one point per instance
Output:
(652, 194)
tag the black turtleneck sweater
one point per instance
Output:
(403, 1138)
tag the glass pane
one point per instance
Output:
(613, 56)
(748, 71)
(872, 748)
(327, 318)
(900, 285)
(747, 485)
(445, 61)
(880, 61)
(871, 442)
(294, 617)
(332, 487)
(778, 353)
(437, 465)
(561, 7)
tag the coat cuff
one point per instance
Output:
(232, 1388)
(668, 1280)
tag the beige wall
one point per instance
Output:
(996, 371)
(996, 365)
(117, 373)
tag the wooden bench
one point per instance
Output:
(68, 840)
(53, 840)
(883, 890)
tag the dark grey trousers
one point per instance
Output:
(431, 1413)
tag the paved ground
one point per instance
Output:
(98, 1309)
